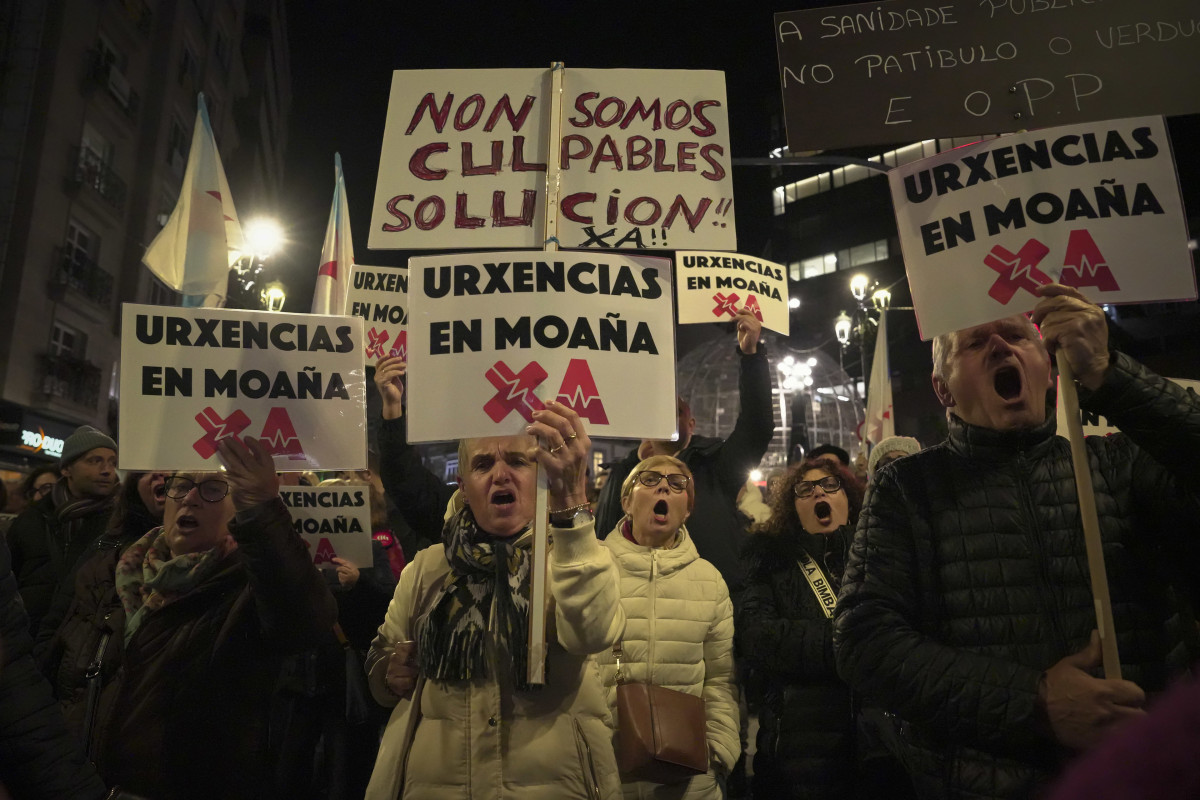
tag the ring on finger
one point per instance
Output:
(573, 436)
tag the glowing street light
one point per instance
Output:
(841, 328)
(263, 237)
(273, 296)
(881, 299)
(858, 286)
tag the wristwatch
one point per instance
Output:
(570, 518)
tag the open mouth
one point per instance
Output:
(504, 498)
(660, 511)
(1007, 382)
(160, 491)
(824, 511)
(186, 523)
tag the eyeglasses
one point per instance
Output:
(212, 490)
(651, 479)
(829, 484)
(41, 491)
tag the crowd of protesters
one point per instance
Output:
(918, 623)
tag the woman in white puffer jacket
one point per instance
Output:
(679, 629)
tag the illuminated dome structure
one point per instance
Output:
(813, 399)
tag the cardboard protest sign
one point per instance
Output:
(333, 521)
(644, 156)
(1094, 206)
(193, 376)
(713, 287)
(1096, 425)
(380, 296)
(492, 335)
(919, 70)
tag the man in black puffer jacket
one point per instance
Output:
(966, 606)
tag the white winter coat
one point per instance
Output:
(678, 634)
(483, 739)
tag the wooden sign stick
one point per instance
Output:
(539, 605)
(1091, 522)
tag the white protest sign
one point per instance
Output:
(380, 296)
(333, 521)
(492, 335)
(1096, 425)
(713, 287)
(193, 376)
(644, 156)
(1095, 206)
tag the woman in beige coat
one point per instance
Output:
(452, 653)
(679, 629)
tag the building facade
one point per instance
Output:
(97, 105)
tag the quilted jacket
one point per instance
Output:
(678, 634)
(483, 738)
(968, 577)
(806, 734)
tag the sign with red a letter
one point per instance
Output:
(1094, 206)
(191, 377)
(714, 287)
(492, 336)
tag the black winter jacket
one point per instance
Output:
(43, 558)
(38, 758)
(184, 706)
(806, 723)
(968, 578)
(720, 468)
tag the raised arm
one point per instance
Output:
(755, 425)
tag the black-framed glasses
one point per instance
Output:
(651, 479)
(38, 492)
(212, 490)
(830, 484)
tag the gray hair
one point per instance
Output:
(944, 344)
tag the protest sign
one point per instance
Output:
(380, 296)
(333, 521)
(919, 70)
(1093, 206)
(492, 335)
(193, 376)
(1096, 425)
(644, 156)
(713, 287)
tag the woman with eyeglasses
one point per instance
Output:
(679, 628)
(794, 563)
(166, 661)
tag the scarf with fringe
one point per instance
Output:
(489, 575)
(148, 577)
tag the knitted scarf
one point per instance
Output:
(489, 575)
(70, 511)
(148, 577)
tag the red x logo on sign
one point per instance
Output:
(216, 429)
(725, 305)
(375, 342)
(515, 390)
(1017, 271)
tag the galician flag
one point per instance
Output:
(203, 236)
(337, 254)
(879, 424)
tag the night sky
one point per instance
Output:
(343, 55)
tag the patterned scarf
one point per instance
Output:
(148, 577)
(488, 574)
(70, 511)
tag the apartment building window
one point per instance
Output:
(82, 244)
(67, 341)
(224, 49)
(95, 147)
(189, 68)
(177, 145)
(860, 255)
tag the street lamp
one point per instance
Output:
(858, 286)
(273, 296)
(841, 328)
(881, 299)
(263, 236)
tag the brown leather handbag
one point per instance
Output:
(661, 733)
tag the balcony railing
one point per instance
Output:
(75, 380)
(87, 168)
(106, 76)
(84, 276)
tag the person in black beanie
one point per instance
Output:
(48, 538)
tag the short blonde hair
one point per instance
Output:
(659, 461)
